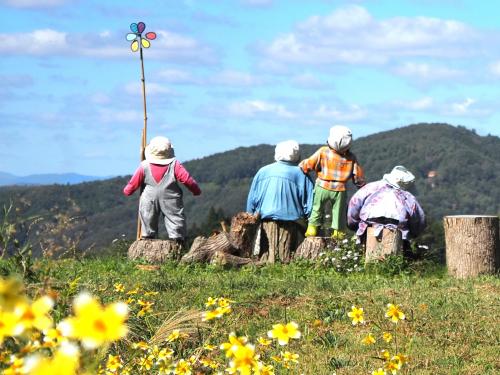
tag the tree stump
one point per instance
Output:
(225, 259)
(471, 245)
(203, 249)
(278, 240)
(154, 250)
(311, 247)
(389, 242)
(243, 231)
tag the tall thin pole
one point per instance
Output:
(144, 128)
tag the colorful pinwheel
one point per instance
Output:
(136, 36)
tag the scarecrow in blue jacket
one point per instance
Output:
(282, 195)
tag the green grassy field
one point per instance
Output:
(451, 326)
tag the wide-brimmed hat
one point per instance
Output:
(340, 138)
(400, 177)
(159, 151)
(287, 151)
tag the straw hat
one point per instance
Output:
(287, 151)
(340, 138)
(159, 151)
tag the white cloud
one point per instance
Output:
(152, 88)
(336, 114)
(423, 104)
(111, 116)
(463, 107)
(177, 76)
(307, 81)
(495, 68)
(169, 46)
(235, 78)
(254, 108)
(34, 3)
(351, 35)
(427, 72)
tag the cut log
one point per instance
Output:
(243, 231)
(278, 241)
(388, 242)
(311, 247)
(203, 248)
(155, 251)
(471, 245)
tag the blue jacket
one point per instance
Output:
(281, 191)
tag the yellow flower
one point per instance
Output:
(11, 292)
(356, 314)
(140, 345)
(217, 313)
(176, 334)
(16, 366)
(223, 302)
(53, 337)
(385, 354)
(276, 358)
(284, 332)
(210, 302)
(263, 341)
(387, 337)
(147, 294)
(119, 287)
(264, 369)
(233, 344)
(10, 325)
(64, 362)
(290, 357)
(146, 307)
(401, 359)
(378, 372)
(182, 368)
(94, 324)
(368, 339)
(164, 354)
(394, 312)
(392, 366)
(209, 347)
(36, 314)
(244, 359)
(133, 291)
(113, 363)
(206, 362)
(145, 362)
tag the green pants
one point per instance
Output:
(338, 200)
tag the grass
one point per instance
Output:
(452, 327)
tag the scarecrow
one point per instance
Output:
(387, 204)
(282, 195)
(334, 165)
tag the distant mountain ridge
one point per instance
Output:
(7, 179)
(457, 172)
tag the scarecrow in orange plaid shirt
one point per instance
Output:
(334, 165)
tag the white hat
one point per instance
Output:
(287, 151)
(340, 138)
(400, 177)
(159, 151)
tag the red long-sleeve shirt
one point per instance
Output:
(158, 171)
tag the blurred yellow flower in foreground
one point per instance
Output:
(356, 314)
(64, 362)
(9, 325)
(387, 336)
(283, 333)
(394, 313)
(244, 360)
(36, 315)
(378, 372)
(94, 324)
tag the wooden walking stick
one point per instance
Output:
(138, 43)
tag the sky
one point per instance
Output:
(223, 74)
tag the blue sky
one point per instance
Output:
(223, 74)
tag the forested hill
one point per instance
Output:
(458, 172)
